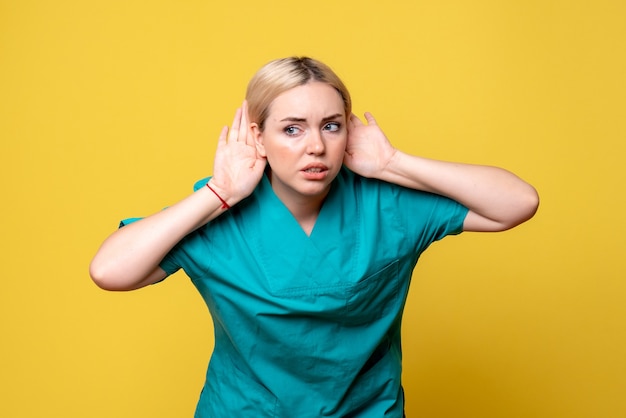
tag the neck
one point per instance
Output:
(305, 209)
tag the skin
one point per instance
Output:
(306, 128)
(304, 141)
(496, 198)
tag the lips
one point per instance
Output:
(315, 172)
(315, 168)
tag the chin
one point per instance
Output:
(318, 190)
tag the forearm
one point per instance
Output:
(129, 256)
(497, 199)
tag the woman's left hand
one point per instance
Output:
(368, 150)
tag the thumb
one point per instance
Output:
(370, 118)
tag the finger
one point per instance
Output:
(234, 130)
(222, 139)
(370, 118)
(245, 125)
(355, 121)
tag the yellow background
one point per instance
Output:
(110, 109)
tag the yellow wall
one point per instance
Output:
(112, 108)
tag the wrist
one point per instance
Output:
(393, 166)
(220, 194)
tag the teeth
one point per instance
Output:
(313, 170)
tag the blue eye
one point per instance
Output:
(292, 130)
(332, 126)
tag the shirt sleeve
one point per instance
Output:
(426, 217)
(174, 259)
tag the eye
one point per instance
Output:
(332, 126)
(292, 130)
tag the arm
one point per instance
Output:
(497, 199)
(129, 258)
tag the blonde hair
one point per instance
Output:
(280, 75)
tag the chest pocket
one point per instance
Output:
(374, 297)
(349, 303)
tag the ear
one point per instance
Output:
(257, 134)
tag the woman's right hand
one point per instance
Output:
(129, 258)
(238, 167)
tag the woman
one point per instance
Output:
(303, 243)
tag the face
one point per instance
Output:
(304, 141)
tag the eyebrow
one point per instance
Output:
(325, 119)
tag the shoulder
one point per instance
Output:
(377, 193)
(412, 209)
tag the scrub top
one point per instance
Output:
(309, 326)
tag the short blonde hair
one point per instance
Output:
(278, 76)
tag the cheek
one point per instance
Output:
(339, 145)
(279, 153)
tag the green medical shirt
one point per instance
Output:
(309, 326)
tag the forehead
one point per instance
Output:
(311, 99)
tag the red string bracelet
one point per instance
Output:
(224, 204)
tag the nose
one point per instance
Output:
(315, 143)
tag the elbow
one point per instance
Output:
(525, 208)
(104, 279)
(510, 214)
(530, 204)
